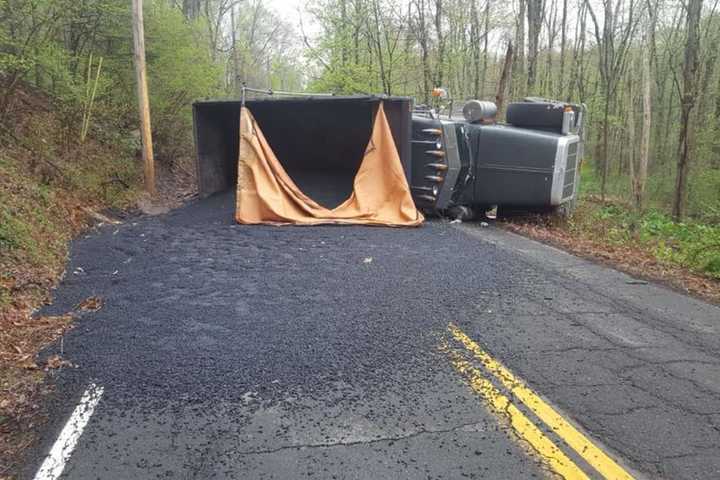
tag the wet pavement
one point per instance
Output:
(228, 351)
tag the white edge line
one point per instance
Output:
(54, 464)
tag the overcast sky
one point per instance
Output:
(289, 10)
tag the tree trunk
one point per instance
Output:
(485, 47)
(439, 66)
(421, 34)
(235, 61)
(631, 128)
(475, 46)
(552, 31)
(518, 68)
(690, 67)
(535, 15)
(563, 41)
(502, 83)
(343, 33)
(191, 9)
(604, 154)
(639, 187)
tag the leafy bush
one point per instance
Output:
(692, 244)
(180, 66)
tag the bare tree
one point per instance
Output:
(475, 46)
(420, 30)
(440, 35)
(640, 178)
(486, 35)
(693, 10)
(551, 29)
(518, 68)
(502, 84)
(563, 42)
(535, 16)
(613, 41)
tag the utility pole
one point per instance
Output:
(142, 93)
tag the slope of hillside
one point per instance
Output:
(52, 186)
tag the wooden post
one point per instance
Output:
(142, 93)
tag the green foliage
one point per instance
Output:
(180, 67)
(180, 70)
(28, 225)
(266, 52)
(352, 79)
(692, 244)
(703, 189)
(704, 194)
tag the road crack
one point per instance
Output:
(321, 445)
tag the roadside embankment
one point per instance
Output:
(682, 255)
(52, 187)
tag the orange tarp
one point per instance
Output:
(267, 194)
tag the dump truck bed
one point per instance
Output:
(319, 140)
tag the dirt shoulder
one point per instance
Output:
(624, 246)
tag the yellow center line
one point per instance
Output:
(592, 454)
(549, 452)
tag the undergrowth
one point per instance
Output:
(47, 185)
(693, 244)
(690, 244)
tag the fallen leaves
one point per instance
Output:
(22, 335)
(631, 258)
(90, 304)
(56, 361)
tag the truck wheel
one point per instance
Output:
(461, 212)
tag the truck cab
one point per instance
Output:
(529, 163)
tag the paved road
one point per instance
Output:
(225, 351)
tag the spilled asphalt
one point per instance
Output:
(228, 351)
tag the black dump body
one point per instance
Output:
(319, 140)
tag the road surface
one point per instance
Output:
(447, 351)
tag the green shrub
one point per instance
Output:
(692, 244)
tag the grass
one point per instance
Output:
(34, 231)
(39, 215)
(693, 244)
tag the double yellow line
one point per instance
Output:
(526, 429)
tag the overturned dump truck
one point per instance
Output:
(379, 160)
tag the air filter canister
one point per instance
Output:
(477, 111)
